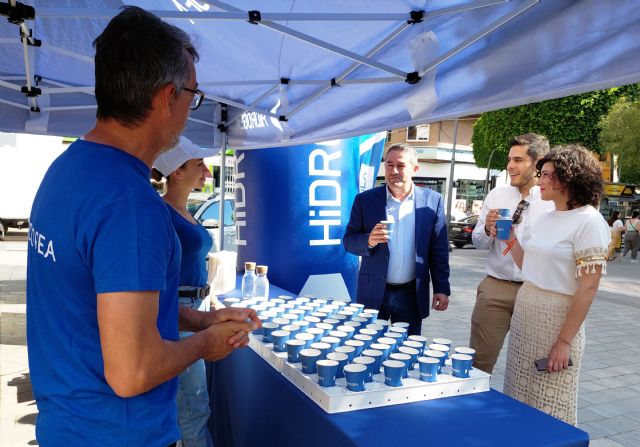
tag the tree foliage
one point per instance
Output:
(620, 135)
(573, 119)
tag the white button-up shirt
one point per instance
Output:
(498, 265)
(402, 240)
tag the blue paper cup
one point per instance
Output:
(306, 309)
(316, 332)
(377, 356)
(319, 315)
(370, 314)
(301, 325)
(411, 352)
(429, 367)
(357, 344)
(280, 338)
(503, 227)
(400, 330)
(377, 328)
(380, 322)
(343, 316)
(366, 339)
(461, 365)
(324, 348)
(369, 362)
(465, 350)
(406, 359)
(348, 329)
(312, 320)
(327, 370)
(370, 332)
(308, 358)
(349, 350)
(389, 226)
(293, 350)
(333, 342)
(293, 330)
(391, 342)
(267, 329)
(415, 345)
(384, 348)
(355, 375)
(393, 371)
(340, 335)
(438, 355)
(342, 360)
(280, 321)
(362, 320)
(442, 348)
(306, 338)
(326, 327)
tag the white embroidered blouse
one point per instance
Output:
(563, 246)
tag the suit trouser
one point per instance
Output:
(490, 320)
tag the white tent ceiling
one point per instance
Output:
(331, 68)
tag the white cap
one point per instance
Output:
(185, 150)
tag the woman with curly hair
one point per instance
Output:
(561, 267)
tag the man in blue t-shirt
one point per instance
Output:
(104, 259)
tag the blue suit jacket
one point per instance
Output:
(432, 246)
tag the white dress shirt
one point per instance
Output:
(402, 240)
(498, 265)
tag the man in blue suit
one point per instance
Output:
(401, 258)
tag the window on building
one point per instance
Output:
(418, 133)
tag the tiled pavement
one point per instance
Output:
(609, 403)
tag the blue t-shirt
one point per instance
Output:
(196, 243)
(96, 226)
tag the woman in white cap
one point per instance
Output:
(184, 169)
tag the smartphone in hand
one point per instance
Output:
(541, 364)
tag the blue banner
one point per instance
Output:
(292, 206)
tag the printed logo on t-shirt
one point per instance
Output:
(41, 244)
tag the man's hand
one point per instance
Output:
(490, 222)
(239, 339)
(440, 301)
(379, 235)
(218, 335)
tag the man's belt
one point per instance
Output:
(517, 283)
(194, 292)
(405, 285)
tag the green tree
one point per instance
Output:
(573, 119)
(620, 135)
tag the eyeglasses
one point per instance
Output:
(197, 98)
(517, 215)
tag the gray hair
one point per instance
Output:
(537, 145)
(137, 54)
(406, 148)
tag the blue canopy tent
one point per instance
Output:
(297, 72)
(284, 72)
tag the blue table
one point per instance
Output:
(254, 405)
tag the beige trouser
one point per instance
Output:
(490, 320)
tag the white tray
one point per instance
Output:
(339, 399)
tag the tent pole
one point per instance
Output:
(451, 172)
(223, 165)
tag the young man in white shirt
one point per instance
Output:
(497, 292)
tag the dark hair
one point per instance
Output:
(577, 171)
(614, 216)
(537, 145)
(136, 54)
(404, 147)
(635, 214)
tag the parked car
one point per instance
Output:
(460, 231)
(207, 213)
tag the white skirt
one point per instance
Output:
(537, 319)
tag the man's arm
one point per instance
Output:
(355, 238)
(439, 260)
(136, 358)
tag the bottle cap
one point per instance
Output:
(249, 265)
(262, 269)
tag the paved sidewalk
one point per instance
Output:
(609, 403)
